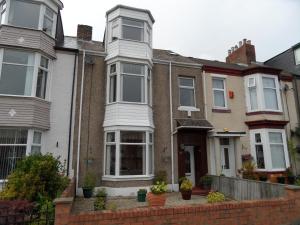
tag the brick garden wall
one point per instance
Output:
(283, 211)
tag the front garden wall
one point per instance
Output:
(281, 211)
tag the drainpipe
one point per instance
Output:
(79, 119)
(204, 93)
(171, 125)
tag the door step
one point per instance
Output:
(200, 191)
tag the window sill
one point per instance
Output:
(127, 178)
(188, 108)
(264, 112)
(23, 96)
(219, 110)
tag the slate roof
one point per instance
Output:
(75, 44)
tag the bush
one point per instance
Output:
(186, 185)
(36, 177)
(214, 197)
(297, 182)
(99, 204)
(159, 188)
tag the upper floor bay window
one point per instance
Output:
(129, 82)
(23, 73)
(269, 149)
(29, 14)
(15, 143)
(187, 91)
(297, 56)
(219, 92)
(262, 92)
(132, 29)
(129, 153)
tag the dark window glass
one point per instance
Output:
(132, 160)
(260, 160)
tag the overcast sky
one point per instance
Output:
(202, 28)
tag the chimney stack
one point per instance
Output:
(243, 53)
(84, 32)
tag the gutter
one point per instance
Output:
(166, 62)
(171, 125)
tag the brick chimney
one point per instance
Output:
(84, 32)
(244, 53)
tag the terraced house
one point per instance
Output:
(124, 111)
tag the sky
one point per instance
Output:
(201, 28)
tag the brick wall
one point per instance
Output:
(281, 211)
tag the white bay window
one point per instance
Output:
(269, 149)
(262, 93)
(23, 73)
(129, 154)
(132, 29)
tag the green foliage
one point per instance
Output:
(99, 204)
(297, 182)
(142, 191)
(101, 193)
(186, 185)
(214, 197)
(112, 206)
(248, 170)
(36, 177)
(160, 176)
(89, 181)
(206, 180)
(159, 188)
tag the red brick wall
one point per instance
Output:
(263, 212)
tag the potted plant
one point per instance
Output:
(263, 177)
(141, 195)
(180, 180)
(281, 179)
(206, 182)
(157, 195)
(88, 185)
(186, 189)
(290, 176)
(248, 170)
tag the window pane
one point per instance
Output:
(187, 162)
(297, 56)
(24, 14)
(219, 99)
(16, 80)
(41, 84)
(226, 159)
(48, 25)
(13, 136)
(257, 138)
(133, 22)
(260, 160)
(224, 141)
(218, 83)
(133, 68)
(35, 150)
(268, 82)
(18, 57)
(270, 98)
(44, 62)
(133, 88)
(150, 161)
(275, 137)
(133, 33)
(253, 98)
(151, 137)
(132, 160)
(110, 160)
(110, 137)
(187, 97)
(186, 82)
(49, 12)
(112, 88)
(277, 154)
(133, 137)
(113, 68)
(37, 137)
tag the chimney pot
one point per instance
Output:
(84, 32)
(235, 47)
(244, 41)
(240, 43)
(249, 42)
(232, 49)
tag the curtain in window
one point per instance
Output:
(277, 150)
(270, 94)
(253, 98)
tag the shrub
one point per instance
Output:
(297, 182)
(214, 197)
(186, 185)
(101, 193)
(160, 176)
(36, 176)
(159, 188)
(99, 204)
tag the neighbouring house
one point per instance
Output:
(36, 82)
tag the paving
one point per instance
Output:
(173, 199)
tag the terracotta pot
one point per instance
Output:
(186, 195)
(156, 199)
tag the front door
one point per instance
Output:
(190, 163)
(227, 157)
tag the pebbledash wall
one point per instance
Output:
(282, 211)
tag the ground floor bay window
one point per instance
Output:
(128, 154)
(15, 143)
(269, 149)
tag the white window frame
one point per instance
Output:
(115, 24)
(187, 87)
(140, 27)
(117, 176)
(108, 84)
(297, 56)
(36, 66)
(47, 70)
(260, 93)
(264, 133)
(219, 89)
(3, 11)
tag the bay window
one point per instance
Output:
(132, 29)
(20, 70)
(128, 153)
(262, 92)
(269, 149)
(15, 143)
(186, 91)
(219, 92)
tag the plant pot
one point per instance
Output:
(186, 195)
(141, 197)
(87, 192)
(291, 179)
(281, 180)
(156, 199)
